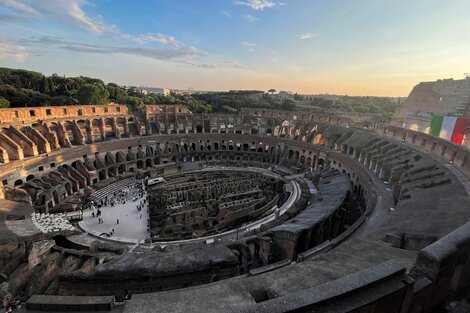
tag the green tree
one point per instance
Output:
(4, 103)
(51, 86)
(92, 94)
(133, 103)
(44, 85)
(288, 105)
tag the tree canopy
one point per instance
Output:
(4, 103)
(20, 88)
(92, 94)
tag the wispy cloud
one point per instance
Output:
(250, 46)
(12, 51)
(69, 12)
(159, 38)
(153, 45)
(173, 53)
(249, 18)
(18, 6)
(259, 4)
(157, 46)
(305, 36)
(225, 13)
(184, 55)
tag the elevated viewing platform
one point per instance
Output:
(319, 211)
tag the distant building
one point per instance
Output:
(285, 95)
(159, 91)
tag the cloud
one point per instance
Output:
(249, 45)
(160, 38)
(18, 6)
(161, 53)
(259, 4)
(12, 18)
(305, 36)
(68, 12)
(184, 55)
(156, 46)
(225, 13)
(249, 18)
(12, 51)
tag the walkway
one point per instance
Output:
(132, 226)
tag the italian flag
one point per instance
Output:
(449, 128)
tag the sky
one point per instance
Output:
(353, 47)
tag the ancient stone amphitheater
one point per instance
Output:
(262, 211)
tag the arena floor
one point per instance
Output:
(132, 228)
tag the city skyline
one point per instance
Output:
(340, 47)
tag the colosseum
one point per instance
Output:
(164, 210)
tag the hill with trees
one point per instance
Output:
(23, 88)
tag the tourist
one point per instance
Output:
(117, 221)
(93, 214)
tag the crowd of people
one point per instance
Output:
(133, 193)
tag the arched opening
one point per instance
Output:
(112, 172)
(68, 189)
(102, 175)
(18, 182)
(56, 197)
(122, 169)
(302, 242)
(29, 177)
(351, 151)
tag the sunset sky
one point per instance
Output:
(355, 47)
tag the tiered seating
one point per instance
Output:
(112, 188)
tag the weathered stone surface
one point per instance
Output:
(38, 251)
(17, 195)
(5, 295)
(427, 180)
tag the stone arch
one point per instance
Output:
(69, 129)
(55, 195)
(109, 127)
(122, 169)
